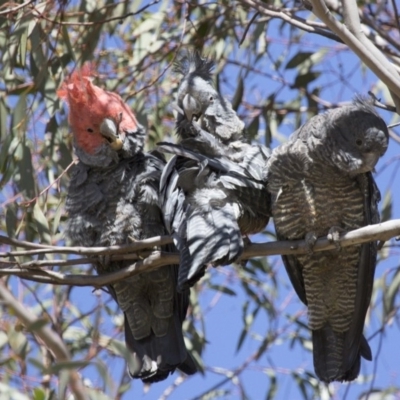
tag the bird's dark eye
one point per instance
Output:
(90, 130)
(358, 142)
(211, 98)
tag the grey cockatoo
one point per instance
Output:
(112, 200)
(215, 189)
(321, 183)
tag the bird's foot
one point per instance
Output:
(334, 236)
(189, 128)
(246, 242)
(104, 260)
(311, 238)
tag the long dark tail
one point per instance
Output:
(154, 312)
(331, 361)
(154, 358)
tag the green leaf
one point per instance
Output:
(11, 220)
(302, 80)
(67, 365)
(223, 289)
(4, 135)
(57, 216)
(3, 339)
(25, 168)
(104, 372)
(63, 384)
(39, 393)
(42, 224)
(298, 59)
(96, 394)
(19, 118)
(22, 48)
(386, 213)
(390, 294)
(38, 324)
(18, 342)
(245, 329)
(273, 386)
(237, 97)
(252, 130)
(9, 393)
(36, 363)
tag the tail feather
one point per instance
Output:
(331, 360)
(212, 237)
(154, 358)
(153, 313)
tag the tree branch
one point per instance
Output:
(156, 259)
(43, 248)
(16, 8)
(40, 15)
(301, 23)
(50, 338)
(349, 33)
(352, 34)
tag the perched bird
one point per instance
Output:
(112, 200)
(321, 184)
(214, 190)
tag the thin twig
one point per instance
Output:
(121, 17)
(169, 64)
(48, 249)
(393, 125)
(29, 202)
(351, 33)
(396, 15)
(16, 8)
(394, 136)
(257, 13)
(153, 261)
(301, 23)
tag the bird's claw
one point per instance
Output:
(311, 238)
(246, 242)
(334, 236)
(104, 260)
(196, 127)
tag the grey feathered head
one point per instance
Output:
(199, 99)
(196, 91)
(352, 137)
(192, 64)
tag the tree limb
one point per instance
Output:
(156, 259)
(349, 33)
(352, 34)
(16, 8)
(265, 9)
(50, 338)
(44, 248)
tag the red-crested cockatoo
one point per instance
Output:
(113, 199)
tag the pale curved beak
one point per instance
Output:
(190, 106)
(370, 160)
(108, 129)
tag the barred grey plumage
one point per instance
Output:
(223, 178)
(321, 183)
(113, 199)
